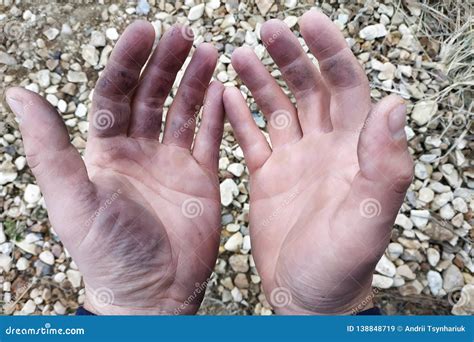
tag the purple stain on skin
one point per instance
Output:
(341, 71)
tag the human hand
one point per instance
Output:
(324, 198)
(140, 217)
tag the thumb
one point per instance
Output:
(386, 171)
(56, 164)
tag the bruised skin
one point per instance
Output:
(140, 217)
(324, 196)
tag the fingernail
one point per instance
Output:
(16, 106)
(396, 121)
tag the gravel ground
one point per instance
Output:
(418, 51)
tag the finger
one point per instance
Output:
(249, 136)
(114, 90)
(188, 100)
(344, 76)
(209, 136)
(301, 75)
(283, 125)
(56, 164)
(386, 170)
(156, 82)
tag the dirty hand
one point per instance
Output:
(324, 197)
(140, 217)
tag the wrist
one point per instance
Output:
(162, 307)
(344, 305)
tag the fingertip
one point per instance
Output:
(230, 93)
(241, 56)
(15, 92)
(311, 16)
(141, 27)
(271, 27)
(216, 86)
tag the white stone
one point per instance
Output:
(234, 242)
(47, 257)
(90, 55)
(7, 59)
(382, 282)
(32, 194)
(111, 33)
(264, 6)
(43, 78)
(372, 32)
(406, 272)
(51, 33)
(435, 282)
(59, 277)
(403, 222)
(76, 76)
(422, 171)
(236, 294)
(423, 111)
(420, 217)
(451, 175)
(222, 76)
(7, 176)
(97, 39)
(143, 7)
(3, 238)
(213, 4)
(433, 256)
(196, 12)
(59, 308)
(246, 244)
(394, 250)
(22, 264)
(81, 110)
(233, 227)
(385, 267)
(387, 72)
(5, 262)
(460, 205)
(62, 106)
(74, 277)
(229, 190)
(29, 307)
(442, 199)
(447, 212)
(452, 279)
(425, 195)
(236, 169)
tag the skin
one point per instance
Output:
(140, 217)
(324, 196)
